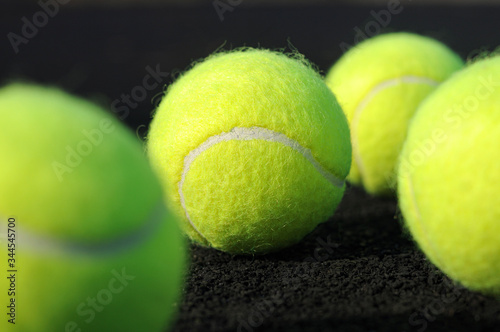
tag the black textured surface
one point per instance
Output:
(358, 272)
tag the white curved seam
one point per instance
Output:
(45, 244)
(362, 105)
(247, 134)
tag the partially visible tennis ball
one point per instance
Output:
(449, 177)
(88, 244)
(379, 84)
(253, 150)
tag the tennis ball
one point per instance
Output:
(253, 150)
(379, 84)
(449, 177)
(87, 242)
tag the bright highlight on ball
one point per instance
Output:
(253, 150)
(91, 245)
(379, 84)
(449, 177)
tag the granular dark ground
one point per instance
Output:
(357, 272)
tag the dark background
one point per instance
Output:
(357, 272)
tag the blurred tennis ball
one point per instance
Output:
(449, 177)
(91, 245)
(379, 84)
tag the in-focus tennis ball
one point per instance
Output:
(449, 180)
(379, 84)
(91, 246)
(253, 149)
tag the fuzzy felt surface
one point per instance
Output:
(448, 176)
(250, 196)
(379, 84)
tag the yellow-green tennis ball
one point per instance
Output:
(449, 180)
(253, 149)
(87, 243)
(379, 84)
